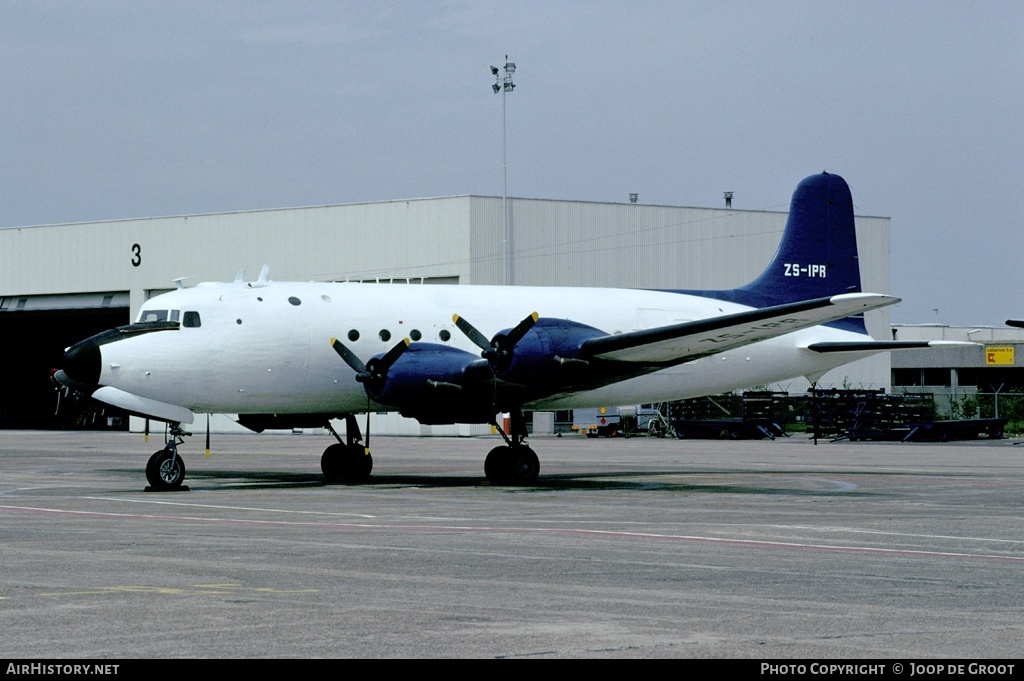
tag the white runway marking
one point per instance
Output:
(383, 526)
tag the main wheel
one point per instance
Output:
(165, 470)
(525, 466)
(498, 465)
(346, 462)
(331, 462)
(360, 463)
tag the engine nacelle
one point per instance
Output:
(430, 384)
(549, 352)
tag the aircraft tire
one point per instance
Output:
(359, 463)
(498, 465)
(165, 470)
(331, 462)
(346, 462)
(525, 466)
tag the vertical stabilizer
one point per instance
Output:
(817, 256)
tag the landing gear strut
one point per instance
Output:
(515, 464)
(349, 459)
(165, 470)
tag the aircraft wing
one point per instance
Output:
(687, 341)
(875, 346)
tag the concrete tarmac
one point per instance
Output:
(626, 548)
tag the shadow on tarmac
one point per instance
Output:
(728, 482)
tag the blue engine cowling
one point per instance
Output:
(549, 353)
(430, 383)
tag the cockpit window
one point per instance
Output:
(149, 316)
(175, 315)
(191, 320)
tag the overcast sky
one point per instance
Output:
(134, 109)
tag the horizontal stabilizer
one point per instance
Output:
(879, 346)
(143, 406)
(691, 340)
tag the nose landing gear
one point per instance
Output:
(166, 470)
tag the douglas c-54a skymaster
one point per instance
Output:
(283, 355)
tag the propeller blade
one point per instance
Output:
(480, 340)
(497, 351)
(393, 354)
(503, 345)
(507, 342)
(516, 334)
(349, 356)
(375, 372)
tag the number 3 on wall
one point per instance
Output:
(137, 250)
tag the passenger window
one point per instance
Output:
(191, 320)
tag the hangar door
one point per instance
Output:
(36, 330)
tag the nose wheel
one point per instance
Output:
(166, 470)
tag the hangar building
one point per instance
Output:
(955, 376)
(62, 283)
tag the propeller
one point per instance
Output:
(497, 351)
(69, 395)
(480, 340)
(374, 373)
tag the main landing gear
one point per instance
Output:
(515, 464)
(348, 460)
(166, 470)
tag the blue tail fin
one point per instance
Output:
(818, 253)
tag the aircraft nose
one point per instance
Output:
(82, 362)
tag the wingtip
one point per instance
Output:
(952, 344)
(872, 299)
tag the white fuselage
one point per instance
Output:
(265, 347)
